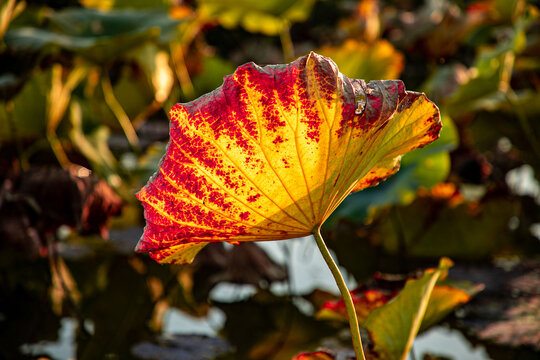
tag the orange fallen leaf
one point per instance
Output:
(273, 151)
(317, 355)
(365, 300)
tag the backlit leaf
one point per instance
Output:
(444, 299)
(272, 152)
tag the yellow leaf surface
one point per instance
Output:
(273, 151)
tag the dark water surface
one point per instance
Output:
(123, 305)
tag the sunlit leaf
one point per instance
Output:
(446, 296)
(360, 60)
(267, 17)
(394, 326)
(272, 152)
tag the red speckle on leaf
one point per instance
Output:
(263, 81)
(435, 129)
(308, 104)
(253, 198)
(374, 181)
(365, 301)
(244, 215)
(287, 82)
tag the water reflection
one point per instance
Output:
(178, 322)
(63, 348)
(449, 343)
(127, 300)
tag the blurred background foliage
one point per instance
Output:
(85, 88)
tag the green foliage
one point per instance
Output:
(424, 229)
(93, 34)
(359, 60)
(24, 120)
(127, 4)
(214, 69)
(268, 17)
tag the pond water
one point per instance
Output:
(438, 340)
(308, 272)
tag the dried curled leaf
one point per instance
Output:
(272, 152)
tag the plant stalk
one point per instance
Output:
(119, 113)
(182, 73)
(345, 294)
(287, 45)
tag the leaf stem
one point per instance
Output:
(119, 112)
(182, 73)
(286, 42)
(346, 295)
